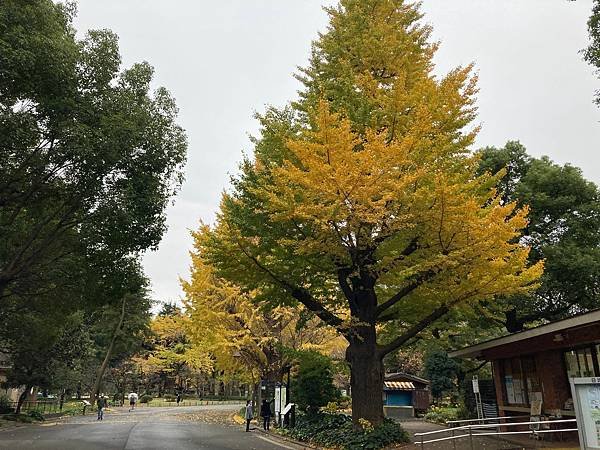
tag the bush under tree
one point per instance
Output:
(313, 386)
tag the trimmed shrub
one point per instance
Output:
(5, 405)
(145, 398)
(313, 386)
(441, 415)
(335, 430)
(169, 398)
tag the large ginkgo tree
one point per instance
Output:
(362, 202)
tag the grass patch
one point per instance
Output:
(30, 417)
(335, 430)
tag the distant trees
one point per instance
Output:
(246, 339)
(170, 357)
(441, 371)
(563, 230)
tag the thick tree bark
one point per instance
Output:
(366, 377)
(109, 350)
(22, 398)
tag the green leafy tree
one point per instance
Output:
(592, 52)
(119, 326)
(563, 230)
(89, 155)
(442, 372)
(51, 345)
(89, 159)
(313, 384)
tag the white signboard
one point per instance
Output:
(586, 399)
(510, 392)
(287, 409)
(475, 385)
(277, 400)
(280, 398)
(283, 397)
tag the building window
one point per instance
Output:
(583, 362)
(521, 381)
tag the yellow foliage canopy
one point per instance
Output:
(244, 337)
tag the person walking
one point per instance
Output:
(178, 398)
(249, 414)
(132, 401)
(102, 403)
(265, 412)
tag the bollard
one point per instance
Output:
(471, 437)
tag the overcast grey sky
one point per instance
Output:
(225, 59)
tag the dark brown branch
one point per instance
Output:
(300, 294)
(414, 330)
(342, 274)
(412, 247)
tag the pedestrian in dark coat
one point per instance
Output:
(102, 403)
(265, 412)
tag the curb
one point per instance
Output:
(290, 440)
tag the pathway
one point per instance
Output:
(198, 427)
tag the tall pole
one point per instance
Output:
(289, 395)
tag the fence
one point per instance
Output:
(42, 406)
(53, 406)
(187, 402)
(473, 431)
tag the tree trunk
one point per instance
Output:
(513, 323)
(109, 350)
(366, 381)
(22, 398)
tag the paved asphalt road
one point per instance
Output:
(198, 427)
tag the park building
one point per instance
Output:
(536, 365)
(405, 395)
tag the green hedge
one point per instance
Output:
(442, 414)
(335, 430)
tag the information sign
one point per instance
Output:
(586, 400)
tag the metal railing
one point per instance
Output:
(162, 403)
(471, 431)
(453, 423)
(42, 406)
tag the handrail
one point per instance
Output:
(515, 424)
(482, 420)
(494, 425)
(479, 430)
